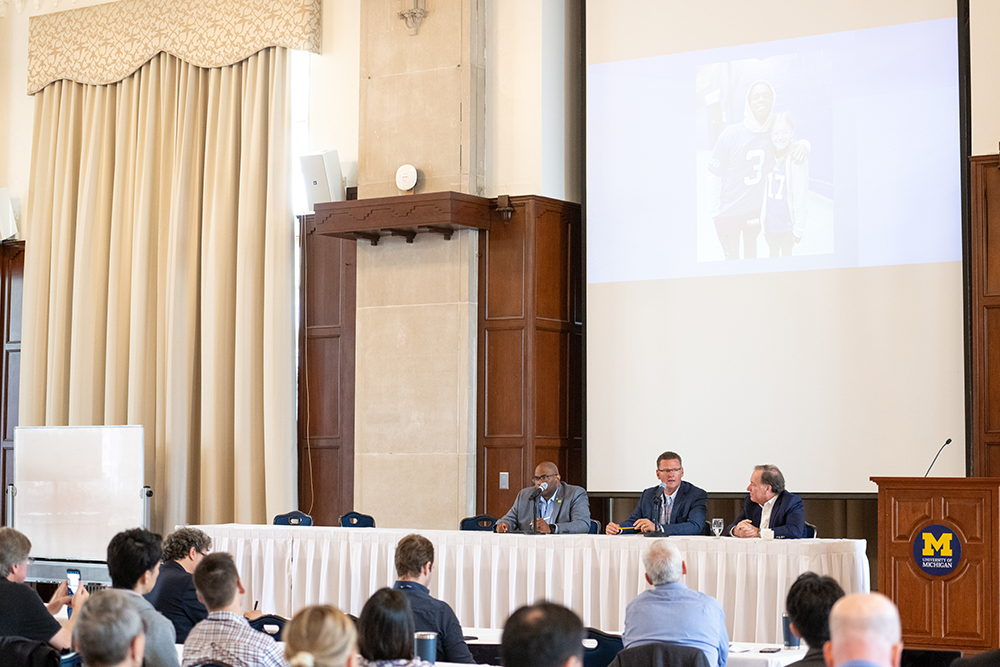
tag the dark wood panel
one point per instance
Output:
(502, 269)
(503, 387)
(322, 469)
(325, 266)
(991, 458)
(990, 235)
(991, 397)
(913, 593)
(552, 265)
(552, 384)
(14, 290)
(11, 291)
(960, 620)
(502, 459)
(322, 399)
(11, 403)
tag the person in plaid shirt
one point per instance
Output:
(225, 636)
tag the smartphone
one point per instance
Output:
(73, 577)
(769, 650)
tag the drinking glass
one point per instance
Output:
(717, 527)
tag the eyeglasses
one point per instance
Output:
(669, 469)
(543, 478)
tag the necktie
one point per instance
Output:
(670, 506)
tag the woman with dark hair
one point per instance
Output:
(385, 631)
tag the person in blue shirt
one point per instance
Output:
(864, 632)
(672, 612)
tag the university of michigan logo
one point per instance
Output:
(937, 550)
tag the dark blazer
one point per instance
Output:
(687, 516)
(175, 597)
(988, 659)
(570, 515)
(788, 516)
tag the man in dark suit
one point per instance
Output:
(673, 507)
(563, 508)
(174, 594)
(769, 506)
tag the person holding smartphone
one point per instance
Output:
(22, 612)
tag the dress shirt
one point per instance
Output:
(227, 638)
(675, 613)
(765, 513)
(432, 615)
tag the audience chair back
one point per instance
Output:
(661, 654)
(269, 624)
(357, 520)
(595, 527)
(21, 652)
(811, 531)
(919, 657)
(600, 648)
(293, 518)
(481, 522)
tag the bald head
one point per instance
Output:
(864, 626)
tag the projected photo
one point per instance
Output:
(766, 141)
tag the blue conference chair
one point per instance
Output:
(595, 527)
(357, 520)
(810, 530)
(481, 522)
(293, 518)
(600, 648)
(269, 624)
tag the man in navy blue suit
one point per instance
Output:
(769, 506)
(673, 507)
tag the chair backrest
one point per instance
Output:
(269, 624)
(357, 520)
(595, 527)
(293, 518)
(918, 657)
(481, 522)
(661, 654)
(21, 652)
(602, 649)
(810, 531)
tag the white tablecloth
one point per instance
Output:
(485, 576)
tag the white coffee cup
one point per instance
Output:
(767, 534)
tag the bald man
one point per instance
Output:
(864, 632)
(562, 508)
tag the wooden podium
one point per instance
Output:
(957, 608)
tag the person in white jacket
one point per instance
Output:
(784, 207)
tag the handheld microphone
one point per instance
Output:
(936, 457)
(538, 491)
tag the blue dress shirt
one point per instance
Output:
(675, 613)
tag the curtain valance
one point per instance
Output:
(103, 44)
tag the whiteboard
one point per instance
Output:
(77, 486)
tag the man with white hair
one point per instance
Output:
(109, 632)
(672, 612)
(864, 632)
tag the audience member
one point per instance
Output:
(174, 594)
(864, 632)
(563, 508)
(769, 506)
(808, 605)
(225, 636)
(109, 632)
(542, 635)
(134, 563)
(320, 636)
(22, 612)
(385, 631)
(671, 612)
(672, 507)
(414, 563)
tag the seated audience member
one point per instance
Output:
(109, 632)
(22, 612)
(864, 632)
(769, 505)
(174, 594)
(225, 636)
(414, 562)
(808, 605)
(385, 631)
(672, 612)
(564, 508)
(320, 636)
(542, 635)
(134, 563)
(672, 507)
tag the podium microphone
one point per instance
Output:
(544, 485)
(936, 457)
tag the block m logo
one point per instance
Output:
(932, 544)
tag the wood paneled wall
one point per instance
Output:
(11, 290)
(530, 355)
(328, 298)
(984, 296)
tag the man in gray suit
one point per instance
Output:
(563, 508)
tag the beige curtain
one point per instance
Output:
(158, 285)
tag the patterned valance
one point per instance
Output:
(103, 44)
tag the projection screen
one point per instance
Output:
(774, 242)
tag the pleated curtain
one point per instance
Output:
(158, 286)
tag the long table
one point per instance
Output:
(486, 576)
